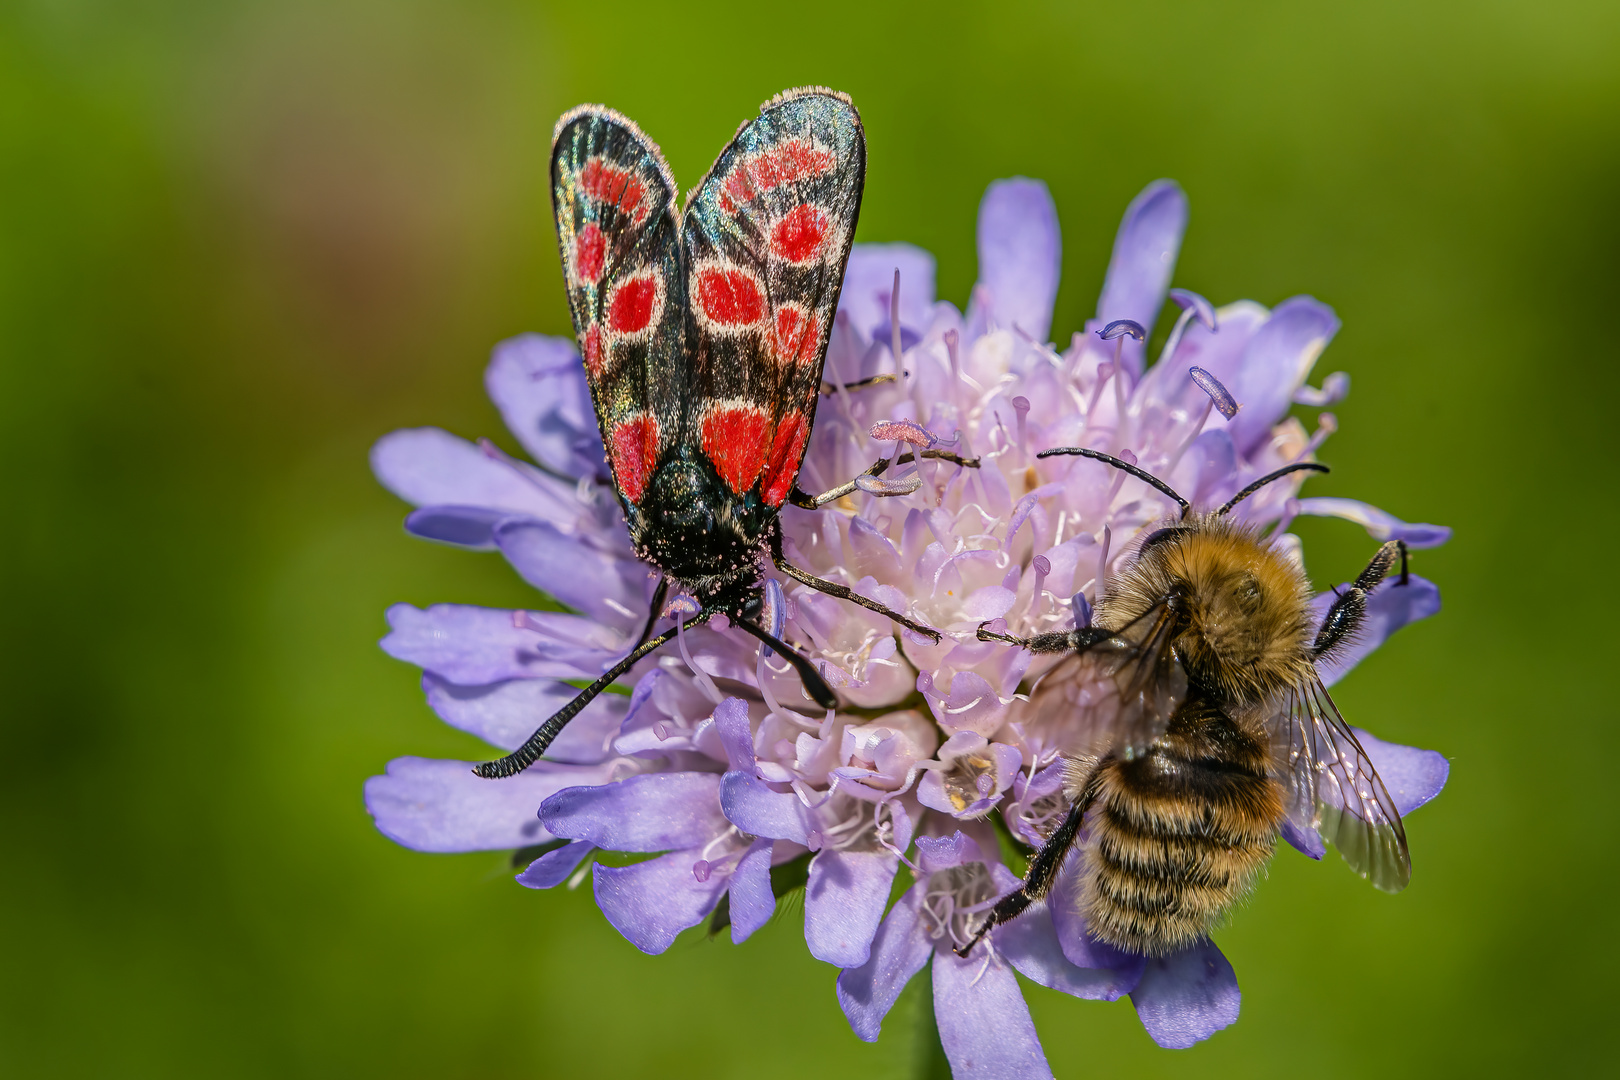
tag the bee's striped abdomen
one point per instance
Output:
(1176, 836)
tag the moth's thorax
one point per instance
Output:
(1244, 608)
(692, 527)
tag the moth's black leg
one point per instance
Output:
(1043, 870)
(659, 595)
(832, 588)
(1344, 617)
(829, 389)
(814, 684)
(530, 751)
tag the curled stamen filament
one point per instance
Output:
(699, 676)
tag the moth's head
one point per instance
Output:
(691, 526)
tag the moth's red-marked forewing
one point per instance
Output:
(767, 234)
(614, 200)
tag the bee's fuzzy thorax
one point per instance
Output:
(1246, 606)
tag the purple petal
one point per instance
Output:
(651, 812)
(1186, 997)
(869, 282)
(475, 646)
(899, 950)
(1030, 944)
(984, 1024)
(752, 902)
(751, 805)
(936, 853)
(507, 713)
(610, 589)
(538, 383)
(731, 721)
(844, 902)
(651, 902)
(1412, 776)
(555, 866)
(1020, 255)
(1144, 259)
(430, 467)
(1389, 607)
(435, 805)
(1380, 525)
(1079, 947)
(1304, 839)
(1280, 355)
(459, 526)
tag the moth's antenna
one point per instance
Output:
(1298, 466)
(1125, 466)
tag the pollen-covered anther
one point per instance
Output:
(1122, 328)
(906, 431)
(1225, 403)
(877, 485)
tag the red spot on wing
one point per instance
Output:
(634, 303)
(785, 164)
(801, 233)
(734, 439)
(634, 447)
(593, 352)
(787, 448)
(590, 247)
(797, 334)
(614, 186)
(730, 296)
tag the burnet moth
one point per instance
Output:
(703, 336)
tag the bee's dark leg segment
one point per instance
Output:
(814, 684)
(832, 588)
(659, 595)
(1043, 870)
(942, 455)
(1345, 616)
(530, 751)
(1078, 640)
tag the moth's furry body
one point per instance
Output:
(1205, 730)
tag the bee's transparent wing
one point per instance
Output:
(1121, 690)
(1334, 789)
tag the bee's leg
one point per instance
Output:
(1345, 616)
(1042, 872)
(1078, 640)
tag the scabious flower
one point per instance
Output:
(719, 765)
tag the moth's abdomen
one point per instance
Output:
(1174, 839)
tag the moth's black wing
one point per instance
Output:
(1120, 689)
(614, 200)
(1334, 789)
(766, 236)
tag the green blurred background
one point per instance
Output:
(238, 242)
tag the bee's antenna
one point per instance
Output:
(1124, 466)
(1298, 466)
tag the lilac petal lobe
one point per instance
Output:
(731, 721)
(1389, 607)
(749, 803)
(538, 384)
(1413, 776)
(984, 1023)
(471, 527)
(752, 902)
(608, 588)
(899, 950)
(1020, 255)
(651, 902)
(555, 866)
(1304, 839)
(431, 467)
(1379, 524)
(843, 904)
(869, 281)
(1143, 261)
(1030, 944)
(475, 646)
(504, 714)
(1274, 364)
(1186, 997)
(650, 812)
(440, 806)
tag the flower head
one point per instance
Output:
(718, 763)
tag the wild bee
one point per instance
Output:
(1206, 730)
